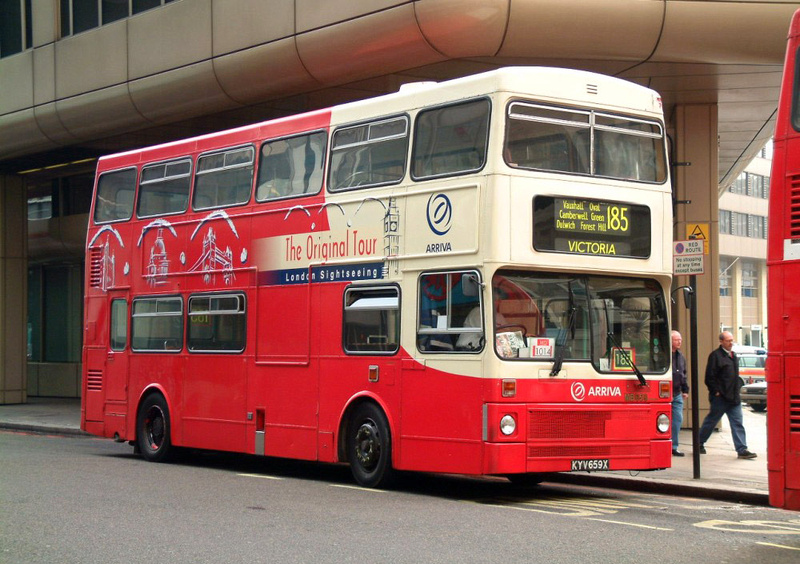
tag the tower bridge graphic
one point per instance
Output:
(214, 260)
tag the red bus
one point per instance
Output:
(783, 270)
(465, 277)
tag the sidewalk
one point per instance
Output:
(722, 475)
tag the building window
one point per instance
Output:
(725, 265)
(725, 222)
(55, 313)
(740, 185)
(16, 30)
(758, 186)
(113, 10)
(758, 227)
(83, 15)
(749, 279)
(739, 224)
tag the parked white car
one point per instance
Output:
(755, 395)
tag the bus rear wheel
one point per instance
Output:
(153, 428)
(369, 447)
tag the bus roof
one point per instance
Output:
(551, 84)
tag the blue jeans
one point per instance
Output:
(720, 407)
(677, 419)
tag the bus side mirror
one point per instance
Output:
(470, 286)
(688, 297)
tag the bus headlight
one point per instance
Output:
(662, 423)
(508, 425)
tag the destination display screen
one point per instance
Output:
(590, 227)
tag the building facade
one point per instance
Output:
(743, 210)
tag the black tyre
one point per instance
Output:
(369, 447)
(153, 429)
(758, 406)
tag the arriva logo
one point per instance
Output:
(440, 214)
(579, 393)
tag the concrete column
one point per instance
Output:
(13, 290)
(736, 294)
(695, 129)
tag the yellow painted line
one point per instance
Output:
(357, 488)
(778, 545)
(628, 524)
(262, 476)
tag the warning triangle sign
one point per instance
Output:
(697, 231)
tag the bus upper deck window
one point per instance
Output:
(584, 142)
(547, 138)
(164, 188)
(451, 140)
(629, 148)
(370, 154)
(114, 197)
(223, 178)
(291, 166)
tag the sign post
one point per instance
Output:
(688, 258)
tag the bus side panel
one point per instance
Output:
(442, 421)
(283, 386)
(287, 395)
(213, 404)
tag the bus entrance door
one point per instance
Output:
(116, 365)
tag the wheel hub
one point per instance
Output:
(368, 447)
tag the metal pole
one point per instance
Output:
(694, 380)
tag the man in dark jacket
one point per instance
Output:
(680, 389)
(722, 380)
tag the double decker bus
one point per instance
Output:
(783, 289)
(465, 277)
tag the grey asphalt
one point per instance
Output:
(722, 475)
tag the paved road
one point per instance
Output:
(86, 500)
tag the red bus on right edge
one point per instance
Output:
(783, 264)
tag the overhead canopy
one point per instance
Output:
(160, 79)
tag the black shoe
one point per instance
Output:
(702, 449)
(747, 454)
(677, 453)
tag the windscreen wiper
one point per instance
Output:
(562, 335)
(638, 372)
(559, 359)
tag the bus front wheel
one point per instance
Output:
(153, 428)
(369, 447)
